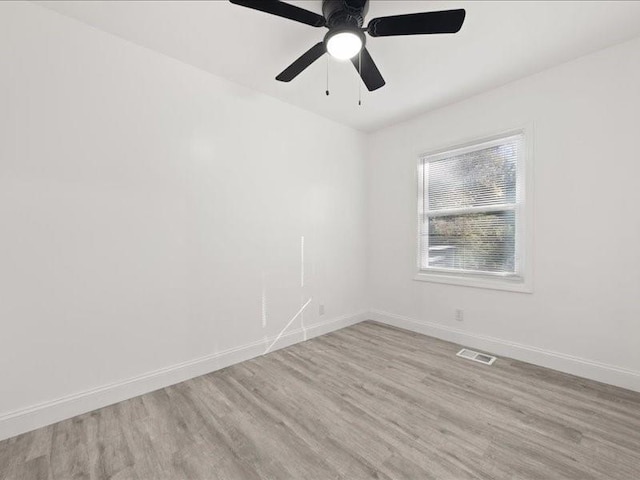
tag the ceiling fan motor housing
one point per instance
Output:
(344, 16)
(345, 13)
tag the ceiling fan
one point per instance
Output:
(346, 39)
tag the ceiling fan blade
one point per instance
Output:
(282, 9)
(370, 74)
(446, 21)
(306, 59)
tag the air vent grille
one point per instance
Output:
(476, 356)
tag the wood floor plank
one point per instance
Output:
(69, 457)
(368, 401)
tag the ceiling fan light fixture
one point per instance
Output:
(346, 39)
(344, 44)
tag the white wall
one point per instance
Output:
(145, 207)
(584, 314)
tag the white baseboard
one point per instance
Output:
(24, 420)
(581, 367)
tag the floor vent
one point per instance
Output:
(476, 356)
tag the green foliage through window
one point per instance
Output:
(469, 209)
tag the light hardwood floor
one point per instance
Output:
(368, 401)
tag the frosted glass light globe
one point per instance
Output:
(344, 45)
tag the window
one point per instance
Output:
(471, 214)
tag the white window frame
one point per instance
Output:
(521, 280)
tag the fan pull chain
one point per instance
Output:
(327, 91)
(360, 79)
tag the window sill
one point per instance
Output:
(493, 283)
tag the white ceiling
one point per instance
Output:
(500, 41)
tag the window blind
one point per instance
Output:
(470, 208)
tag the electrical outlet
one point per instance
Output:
(321, 310)
(459, 315)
